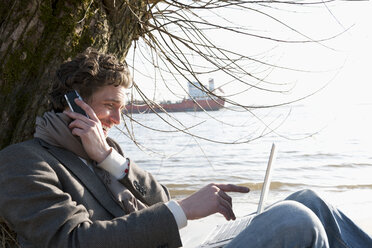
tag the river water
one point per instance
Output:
(325, 150)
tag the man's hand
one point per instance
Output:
(209, 200)
(90, 131)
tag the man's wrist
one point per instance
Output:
(104, 154)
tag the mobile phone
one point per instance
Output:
(70, 97)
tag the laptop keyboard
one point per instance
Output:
(229, 230)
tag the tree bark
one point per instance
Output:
(36, 36)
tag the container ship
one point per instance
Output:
(198, 101)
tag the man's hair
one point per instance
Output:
(86, 73)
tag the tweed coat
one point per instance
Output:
(50, 198)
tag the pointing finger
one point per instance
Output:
(233, 188)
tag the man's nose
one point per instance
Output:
(116, 117)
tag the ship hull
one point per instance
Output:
(186, 105)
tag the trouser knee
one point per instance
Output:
(299, 220)
(294, 215)
(285, 224)
(305, 197)
(311, 200)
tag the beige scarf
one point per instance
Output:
(53, 129)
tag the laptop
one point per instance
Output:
(224, 233)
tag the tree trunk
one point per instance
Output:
(36, 36)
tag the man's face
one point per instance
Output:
(107, 103)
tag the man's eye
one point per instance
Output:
(110, 106)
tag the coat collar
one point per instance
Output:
(86, 176)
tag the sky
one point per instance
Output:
(353, 82)
(342, 63)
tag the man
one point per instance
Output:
(72, 186)
(54, 189)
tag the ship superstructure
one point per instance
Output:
(198, 100)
